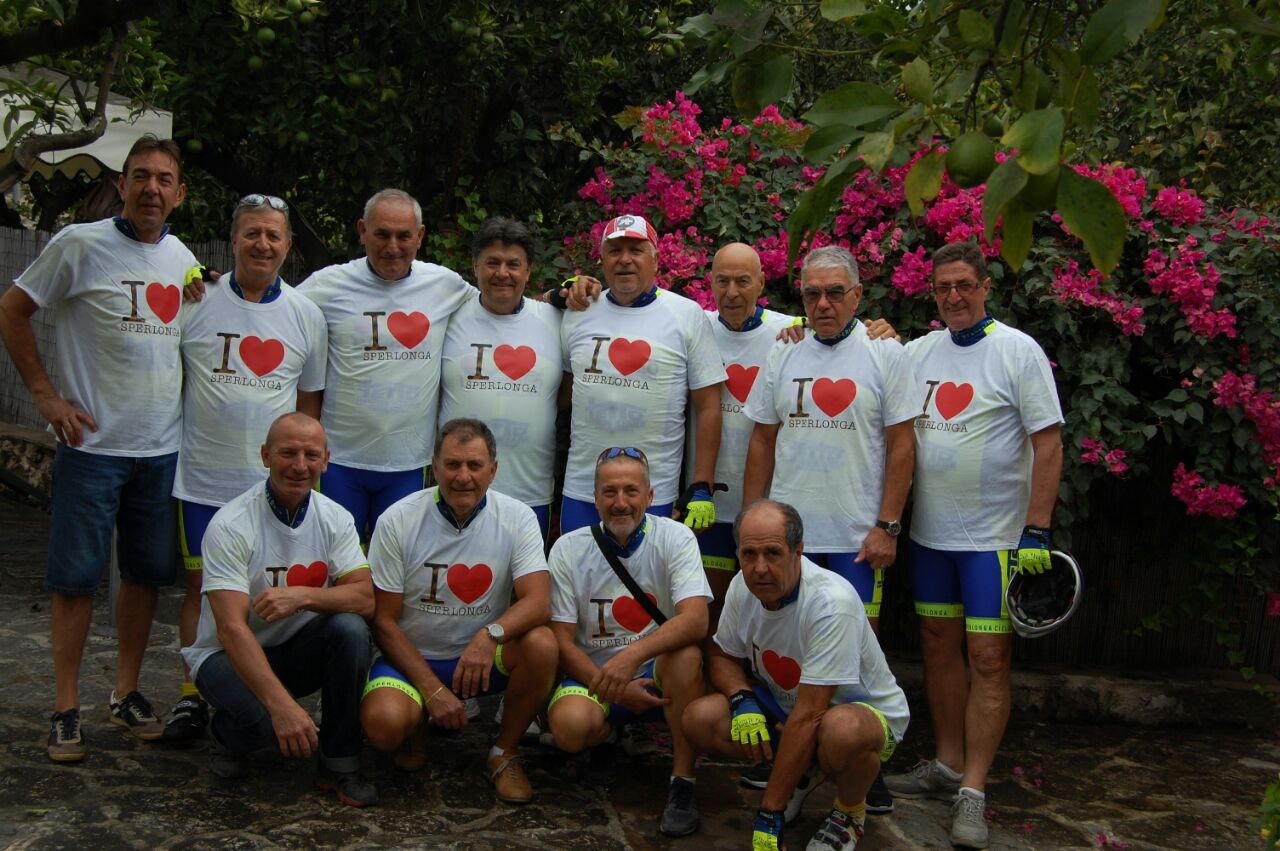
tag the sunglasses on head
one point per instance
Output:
(629, 451)
(258, 200)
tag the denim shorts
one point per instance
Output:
(92, 494)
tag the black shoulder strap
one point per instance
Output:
(625, 575)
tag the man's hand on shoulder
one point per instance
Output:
(575, 293)
(880, 329)
(197, 276)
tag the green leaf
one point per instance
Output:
(1092, 213)
(1084, 106)
(1116, 26)
(1038, 138)
(1015, 234)
(917, 82)
(849, 104)
(812, 209)
(1002, 185)
(876, 148)
(758, 84)
(698, 25)
(976, 30)
(837, 10)
(826, 142)
(924, 181)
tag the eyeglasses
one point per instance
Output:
(964, 288)
(813, 295)
(615, 451)
(258, 200)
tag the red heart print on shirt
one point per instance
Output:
(833, 396)
(741, 379)
(515, 361)
(951, 399)
(628, 355)
(409, 329)
(783, 670)
(631, 615)
(469, 582)
(315, 574)
(164, 301)
(261, 356)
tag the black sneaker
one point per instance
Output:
(350, 788)
(66, 744)
(757, 776)
(134, 713)
(227, 765)
(879, 798)
(680, 816)
(187, 720)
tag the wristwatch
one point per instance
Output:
(891, 527)
(496, 632)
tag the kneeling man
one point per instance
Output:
(445, 561)
(285, 596)
(619, 661)
(819, 675)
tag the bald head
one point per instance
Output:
(737, 282)
(295, 423)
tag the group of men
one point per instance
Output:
(750, 630)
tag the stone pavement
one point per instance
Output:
(1058, 783)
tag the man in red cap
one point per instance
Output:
(635, 356)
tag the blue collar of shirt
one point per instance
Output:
(126, 227)
(973, 334)
(447, 512)
(269, 295)
(644, 298)
(633, 541)
(848, 329)
(519, 305)
(751, 323)
(282, 514)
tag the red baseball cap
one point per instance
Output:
(635, 227)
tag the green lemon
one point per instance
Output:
(971, 159)
(307, 17)
(194, 146)
(1041, 191)
(255, 63)
(266, 35)
(294, 6)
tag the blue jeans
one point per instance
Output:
(92, 494)
(332, 654)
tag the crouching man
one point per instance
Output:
(445, 563)
(821, 700)
(623, 658)
(285, 595)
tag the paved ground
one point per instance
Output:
(1056, 785)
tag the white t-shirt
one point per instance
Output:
(117, 332)
(633, 368)
(505, 370)
(385, 337)
(248, 549)
(585, 591)
(243, 365)
(821, 639)
(453, 581)
(833, 404)
(744, 354)
(973, 453)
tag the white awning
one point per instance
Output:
(109, 150)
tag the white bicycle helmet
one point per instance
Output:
(1039, 603)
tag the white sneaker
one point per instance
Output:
(968, 820)
(839, 831)
(811, 780)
